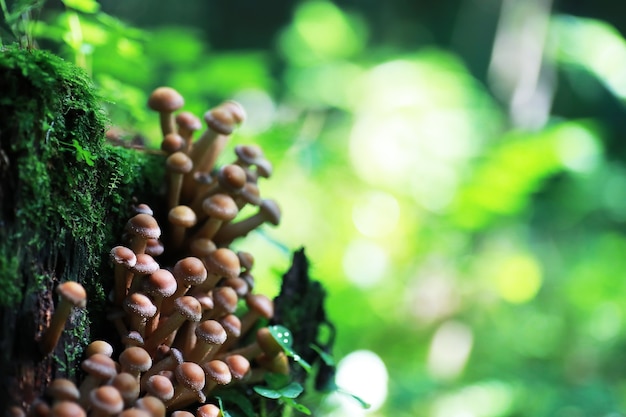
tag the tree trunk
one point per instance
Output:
(65, 195)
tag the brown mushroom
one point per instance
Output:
(166, 101)
(190, 381)
(71, 294)
(142, 227)
(186, 308)
(178, 165)
(269, 212)
(181, 218)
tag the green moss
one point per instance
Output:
(65, 193)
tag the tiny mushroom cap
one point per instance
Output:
(154, 247)
(238, 284)
(239, 366)
(152, 405)
(99, 346)
(187, 123)
(225, 300)
(106, 400)
(135, 412)
(66, 409)
(182, 413)
(236, 109)
(259, 306)
(267, 342)
(232, 177)
(121, 255)
(142, 227)
(201, 247)
(165, 99)
(143, 208)
(217, 373)
(232, 324)
(182, 216)
(128, 386)
(100, 366)
(62, 389)
(73, 293)
(138, 304)
(220, 120)
(246, 259)
(208, 410)
(132, 338)
(135, 360)
(161, 283)
(145, 265)
(220, 206)
(190, 271)
(179, 162)
(248, 154)
(161, 387)
(40, 408)
(222, 262)
(190, 376)
(210, 335)
(172, 142)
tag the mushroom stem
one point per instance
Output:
(268, 212)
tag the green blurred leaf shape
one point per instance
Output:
(284, 339)
(84, 6)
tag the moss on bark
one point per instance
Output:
(65, 195)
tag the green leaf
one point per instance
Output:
(328, 359)
(85, 6)
(276, 381)
(268, 392)
(292, 390)
(284, 338)
(301, 408)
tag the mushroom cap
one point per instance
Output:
(211, 332)
(201, 247)
(232, 177)
(121, 255)
(220, 206)
(182, 216)
(172, 142)
(189, 308)
(239, 366)
(248, 154)
(189, 121)
(135, 359)
(226, 299)
(143, 225)
(238, 284)
(223, 262)
(179, 162)
(190, 271)
(217, 371)
(160, 283)
(127, 385)
(232, 324)
(271, 211)
(133, 338)
(267, 342)
(204, 298)
(73, 292)
(139, 304)
(65, 409)
(182, 413)
(145, 265)
(138, 412)
(62, 389)
(165, 99)
(160, 386)
(190, 375)
(246, 260)
(99, 346)
(152, 405)
(261, 304)
(208, 410)
(236, 109)
(100, 366)
(251, 194)
(143, 208)
(106, 399)
(247, 276)
(220, 120)
(154, 247)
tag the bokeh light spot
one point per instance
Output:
(364, 263)
(518, 278)
(364, 374)
(376, 214)
(449, 350)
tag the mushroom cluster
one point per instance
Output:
(183, 304)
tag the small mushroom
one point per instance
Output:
(173, 142)
(210, 336)
(161, 387)
(186, 308)
(123, 258)
(71, 294)
(220, 209)
(139, 308)
(105, 401)
(259, 306)
(142, 227)
(239, 366)
(65, 409)
(152, 405)
(173, 358)
(190, 381)
(62, 389)
(135, 360)
(189, 271)
(269, 212)
(159, 285)
(128, 386)
(166, 101)
(188, 123)
(181, 218)
(208, 410)
(217, 373)
(99, 369)
(231, 179)
(221, 263)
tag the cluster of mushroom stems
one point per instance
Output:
(182, 301)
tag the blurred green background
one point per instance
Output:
(455, 169)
